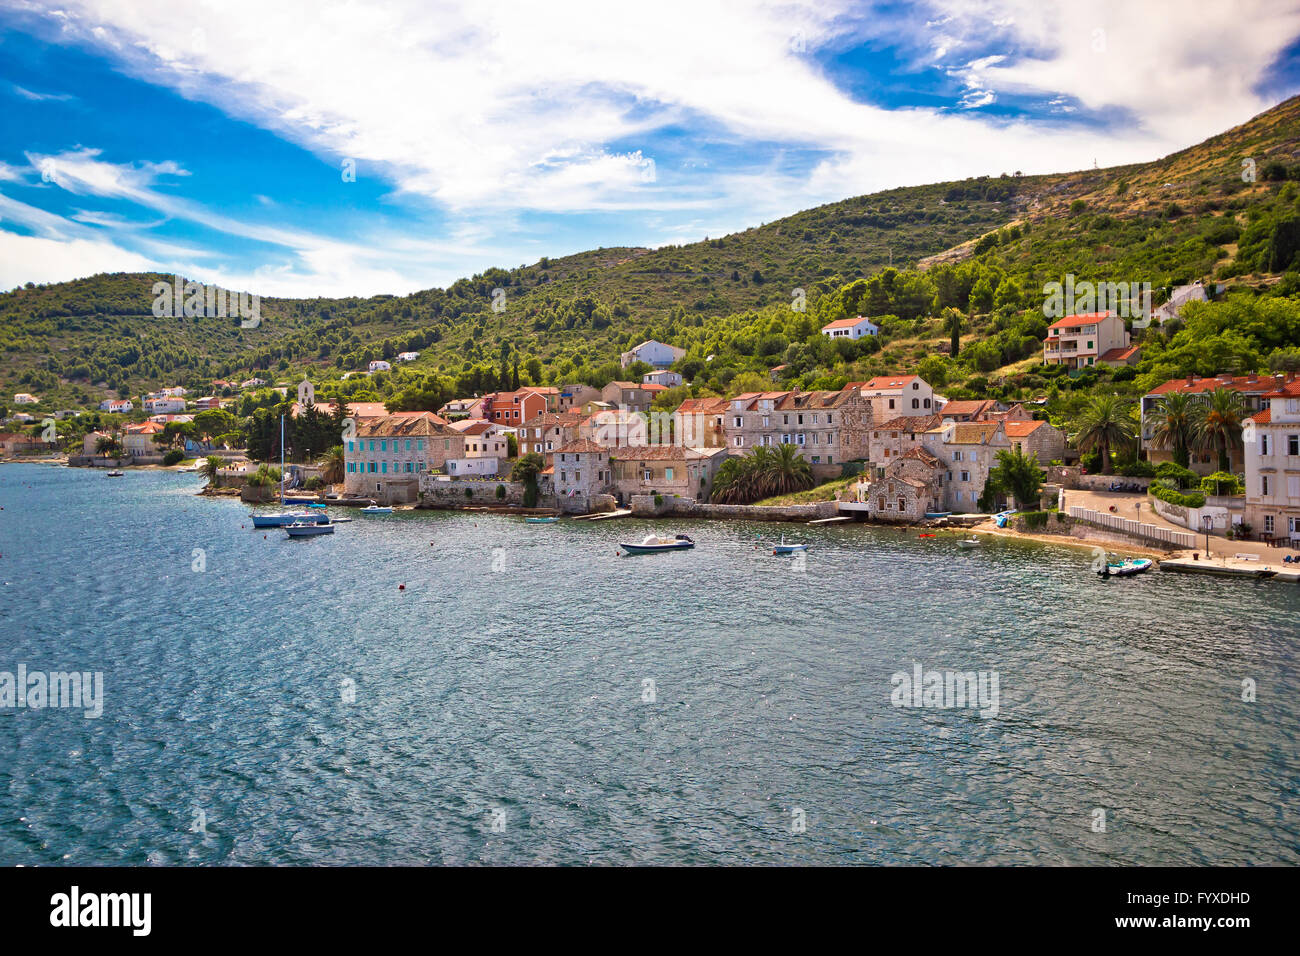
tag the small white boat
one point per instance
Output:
(784, 548)
(115, 474)
(1126, 568)
(968, 542)
(653, 542)
(305, 529)
(376, 509)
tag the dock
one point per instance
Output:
(1232, 568)
(604, 515)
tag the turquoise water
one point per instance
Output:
(515, 697)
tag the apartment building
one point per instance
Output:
(1079, 341)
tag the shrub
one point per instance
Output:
(1221, 483)
(501, 492)
(1193, 499)
(174, 457)
(659, 500)
(469, 492)
(1177, 475)
(1138, 469)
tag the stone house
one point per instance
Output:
(666, 470)
(1038, 439)
(582, 469)
(905, 490)
(545, 433)
(897, 436)
(388, 455)
(968, 452)
(700, 422)
(826, 427)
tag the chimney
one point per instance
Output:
(1290, 376)
(1225, 377)
(1191, 378)
(1278, 379)
(1252, 378)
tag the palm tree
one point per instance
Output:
(332, 471)
(1218, 423)
(1106, 424)
(1172, 422)
(211, 470)
(108, 445)
(785, 471)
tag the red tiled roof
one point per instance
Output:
(1239, 383)
(582, 446)
(883, 382)
(845, 323)
(1120, 354)
(1020, 429)
(1289, 389)
(1083, 318)
(1262, 417)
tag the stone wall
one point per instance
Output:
(451, 494)
(644, 506)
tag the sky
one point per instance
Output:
(346, 148)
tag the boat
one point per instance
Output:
(544, 519)
(652, 543)
(938, 514)
(375, 509)
(279, 519)
(1126, 568)
(307, 529)
(299, 500)
(115, 474)
(784, 548)
(927, 534)
(968, 542)
(314, 505)
(1002, 518)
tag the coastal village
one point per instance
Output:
(896, 450)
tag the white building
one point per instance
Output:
(1271, 446)
(407, 356)
(662, 377)
(854, 328)
(117, 405)
(654, 353)
(24, 398)
(459, 467)
(164, 405)
(895, 395)
(379, 365)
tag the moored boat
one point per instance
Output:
(1126, 568)
(374, 509)
(653, 543)
(544, 519)
(784, 548)
(115, 474)
(968, 542)
(279, 519)
(305, 529)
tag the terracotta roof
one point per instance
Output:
(471, 426)
(845, 323)
(909, 423)
(715, 404)
(1262, 417)
(1238, 383)
(1289, 389)
(1120, 354)
(654, 387)
(406, 424)
(970, 406)
(658, 453)
(1020, 429)
(582, 446)
(920, 454)
(1083, 318)
(972, 433)
(551, 419)
(356, 410)
(886, 383)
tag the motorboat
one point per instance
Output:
(305, 529)
(115, 474)
(653, 542)
(1126, 568)
(968, 542)
(543, 519)
(375, 509)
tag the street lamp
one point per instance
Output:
(1209, 523)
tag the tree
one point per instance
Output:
(1218, 423)
(1018, 475)
(1172, 422)
(108, 446)
(763, 473)
(333, 465)
(1105, 425)
(526, 470)
(211, 470)
(952, 325)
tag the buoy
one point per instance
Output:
(401, 587)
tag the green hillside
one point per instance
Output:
(907, 257)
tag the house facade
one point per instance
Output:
(1271, 440)
(653, 353)
(826, 427)
(700, 422)
(967, 452)
(546, 432)
(896, 437)
(904, 490)
(1037, 439)
(386, 458)
(573, 397)
(855, 328)
(633, 396)
(665, 470)
(894, 395)
(582, 469)
(662, 377)
(1078, 341)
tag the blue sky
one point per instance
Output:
(159, 134)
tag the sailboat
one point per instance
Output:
(283, 518)
(784, 548)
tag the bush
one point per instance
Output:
(501, 492)
(1221, 483)
(1179, 476)
(174, 457)
(469, 492)
(1138, 469)
(1168, 495)
(659, 500)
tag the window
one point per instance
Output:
(902, 504)
(740, 422)
(383, 444)
(927, 403)
(372, 444)
(577, 476)
(739, 441)
(1263, 485)
(1268, 523)
(965, 476)
(349, 446)
(383, 467)
(647, 475)
(1293, 444)
(800, 419)
(916, 403)
(352, 467)
(668, 474)
(1263, 444)
(828, 418)
(419, 444)
(956, 456)
(785, 420)
(882, 504)
(891, 403)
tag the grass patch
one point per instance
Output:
(824, 492)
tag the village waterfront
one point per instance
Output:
(443, 687)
